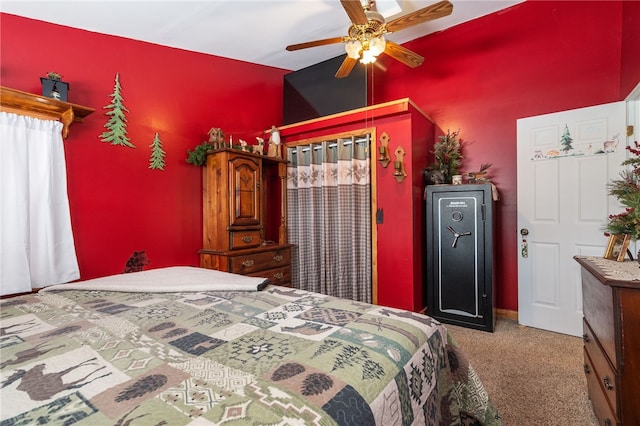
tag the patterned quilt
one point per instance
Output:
(272, 356)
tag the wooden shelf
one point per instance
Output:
(19, 102)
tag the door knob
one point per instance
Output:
(524, 232)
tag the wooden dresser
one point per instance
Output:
(244, 222)
(611, 307)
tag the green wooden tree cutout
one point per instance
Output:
(117, 124)
(156, 161)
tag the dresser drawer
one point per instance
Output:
(599, 400)
(598, 309)
(244, 239)
(248, 263)
(278, 276)
(601, 370)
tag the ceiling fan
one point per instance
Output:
(365, 39)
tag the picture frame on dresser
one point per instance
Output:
(617, 247)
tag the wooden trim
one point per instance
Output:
(42, 107)
(507, 314)
(330, 137)
(373, 166)
(365, 114)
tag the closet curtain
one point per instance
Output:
(36, 242)
(329, 217)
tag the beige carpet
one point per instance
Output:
(533, 377)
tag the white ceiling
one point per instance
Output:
(249, 30)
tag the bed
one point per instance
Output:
(191, 346)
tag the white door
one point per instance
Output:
(565, 161)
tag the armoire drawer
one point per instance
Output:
(253, 262)
(602, 407)
(244, 239)
(278, 276)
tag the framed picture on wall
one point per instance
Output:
(617, 247)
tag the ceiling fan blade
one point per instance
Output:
(355, 11)
(403, 54)
(346, 67)
(437, 10)
(315, 43)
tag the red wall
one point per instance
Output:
(481, 76)
(118, 204)
(533, 58)
(630, 46)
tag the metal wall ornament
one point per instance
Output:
(383, 149)
(399, 172)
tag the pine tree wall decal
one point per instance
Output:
(156, 161)
(117, 124)
(566, 140)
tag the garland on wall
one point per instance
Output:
(117, 124)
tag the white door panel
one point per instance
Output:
(563, 203)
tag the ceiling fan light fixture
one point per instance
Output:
(367, 57)
(353, 49)
(377, 45)
(371, 48)
(364, 41)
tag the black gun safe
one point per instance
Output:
(459, 255)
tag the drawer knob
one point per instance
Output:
(278, 276)
(248, 263)
(607, 383)
(278, 257)
(247, 239)
(607, 422)
(585, 338)
(587, 370)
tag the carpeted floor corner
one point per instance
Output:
(533, 377)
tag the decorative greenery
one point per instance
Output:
(448, 154)
(117, 124)
(156, 161)
(54, 75)
(198, 157)
(627, 190)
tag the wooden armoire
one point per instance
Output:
(244, 215)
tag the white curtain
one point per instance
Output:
(36, 241)
(329, 217)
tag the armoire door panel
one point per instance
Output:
(245, 176)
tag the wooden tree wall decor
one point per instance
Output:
(116, 132)
(156, 161)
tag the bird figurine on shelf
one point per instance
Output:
(480, 175)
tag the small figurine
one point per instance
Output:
(216, 137)
(480, 175)
(259, 148)
(243, 145)
(274, 143)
